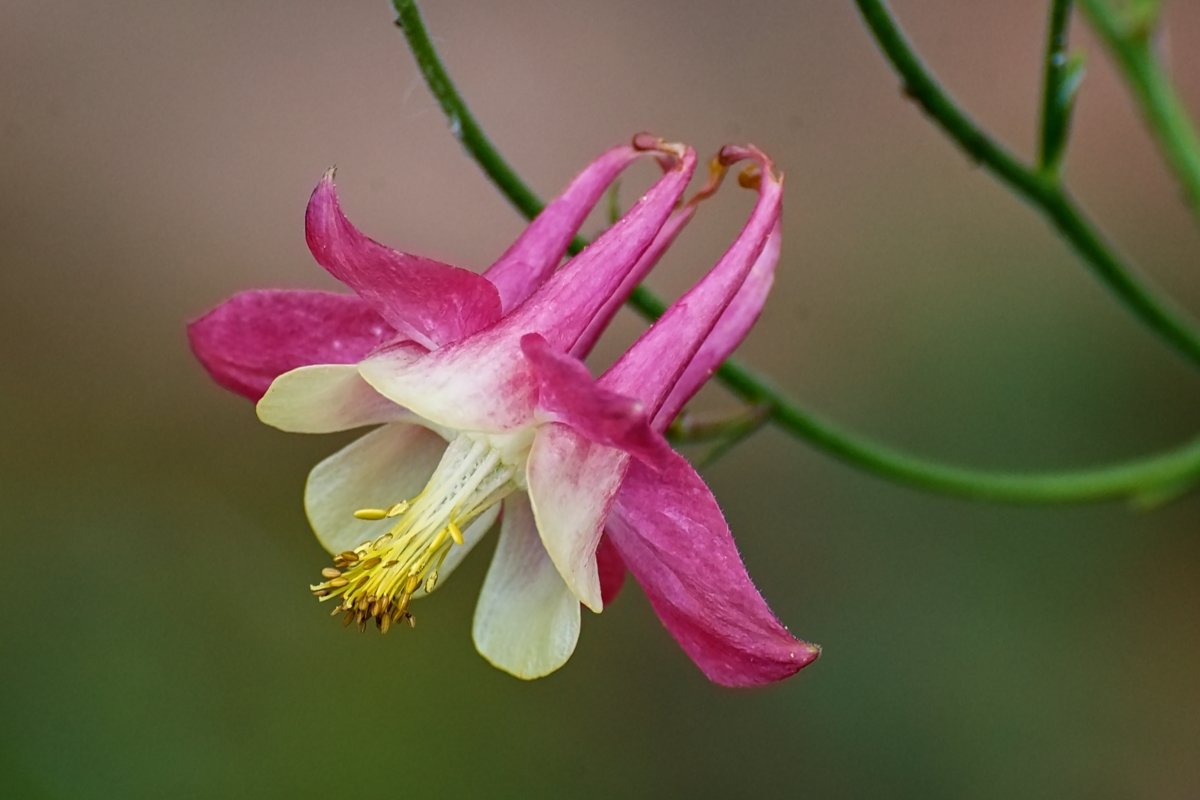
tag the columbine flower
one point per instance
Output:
(484, 403)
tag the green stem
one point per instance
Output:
(1129, 41)
(1151, 476)
(1059, 80)
(688, 429)
(1134, 478)
(1044, 193)
(753, 421)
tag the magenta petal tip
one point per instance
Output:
(426, 301)
(646, 141)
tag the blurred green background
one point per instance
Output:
(160, 640)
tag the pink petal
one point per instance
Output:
(252, 338)
(571, 485)
(654, 253)
(727, 334)
(484, 383)
(467, 387)
(670, 531)
(563, 307)
(568, 394)
(652, 366)
(533, 257)
(611, 568)
(430, 302)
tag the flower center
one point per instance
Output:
(379, 578)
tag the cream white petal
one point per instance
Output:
(324, 398)
(527, 619)
(387, 465)
(572, 482)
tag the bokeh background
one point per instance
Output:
(159, 640)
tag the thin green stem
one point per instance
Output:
(753, 421)
(692, 429)
(1153, 476)
(1128, 38)
(1059, 81)
(1134, 478)
(1044, 193)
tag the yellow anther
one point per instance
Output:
(378, 579)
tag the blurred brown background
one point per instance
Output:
(159, 642)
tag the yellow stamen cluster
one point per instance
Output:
(378, 578)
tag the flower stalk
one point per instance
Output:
(1044, 193)
(1129, 36)
(1062, 75)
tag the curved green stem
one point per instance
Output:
(1152, 476)
(1137, 478)
(1044, 192)
(1129, 40)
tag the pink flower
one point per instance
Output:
(482, 402)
